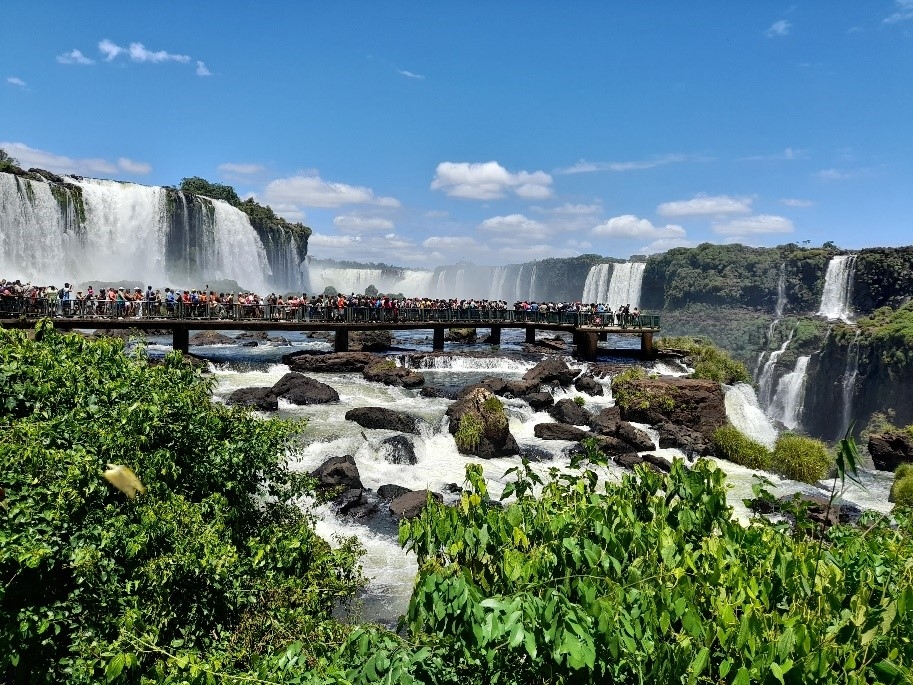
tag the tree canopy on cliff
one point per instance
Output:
(6, 160)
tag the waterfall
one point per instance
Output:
(624, 288)
(88, 230)
(786, 406)
(597, 283)
(838, 288)
(409, 282)
(849, 383)
(781, 296)
(533, 295)
(765, 382)
(744, 412)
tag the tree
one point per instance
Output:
(7, 161)
(219, 191)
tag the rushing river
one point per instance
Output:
(439, 464)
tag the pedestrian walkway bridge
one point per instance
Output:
(587, 328)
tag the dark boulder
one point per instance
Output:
(559, 431)
(608, 417)
(259, 336)
(551, 371)
(299, 389)
(391, 491)
(612, 446)
(338, 472)
(890, 450)
(589, 385)
(370, 341)
(632, 435)
(334, 362)
(694, 404)
(629, 460)
(461, 335)
(489, 435)
(388, 373)
(411, 504)
(354, 504)
(539, 400)
(380, 417)
(661, 463)
(398, 449)
(210, 338)
(438, 393)
(689, 441)
(520, 388)
(263, 399)
(533, 453)
(569, 412)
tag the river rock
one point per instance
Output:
(210, 338)
(560, 431)
(336, 472)
(386, 372)
(380, 417)
(370, 341)
(612, 446)
(551, 370)
(589, 385)
(539, 400)
(661, 463)
(629, 460)
(259, 336)
(461, 335)
(632, 435)
(495, 439)
(391, 491)
(398, 449)
(520, 388)
(689, 441)
(692, 403)
(333, 362)
(354, 504)
(299, 389)
(890, 450)
(411, 504)
(569, 412)
(608, 417)
(263, 399)
(441, 393)
(278, 340)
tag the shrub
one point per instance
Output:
(632, 395)
(469, 434)
(710, 363)
(801, 458)
(579, 400)
(733, 445)
(902, 487)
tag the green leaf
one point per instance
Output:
(698, 664)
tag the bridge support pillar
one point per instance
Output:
(531, 334)
(438, 344)
(341, 340)
(603, 336)
(180, 339)
(646, 345)
(586, 345)
(494, 337)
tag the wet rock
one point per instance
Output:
(386, 372)
(605, 419)
(551, 371)
(391, 491)
(890, 450)
(497, 386)
(632, 435)
(694, 404)
(302, 390)
(349, 500)
(257, 336)
(689, 441)
(535, 454)
(661, 463)
(278, 340)
(333, 362)
(452, 489)
(398, 449)
(539, 400)
(380, 417)
(589, 385)
(411, 504)
(336, 472)
(210, 338)
(520, 388)
(494, 438)
(461, 335)
(629, 460)
(559, 431)
(263, 399)
(438, 392)
(612, 446)
(370, 341)
(569, 412)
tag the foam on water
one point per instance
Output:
(744, 412)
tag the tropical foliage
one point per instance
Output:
(7, 161)
(709, 362)
(733, 445)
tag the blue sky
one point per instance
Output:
(423, 133)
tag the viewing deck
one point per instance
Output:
(586, 327)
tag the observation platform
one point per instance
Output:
(587, 329)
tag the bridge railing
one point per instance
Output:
(35, 308)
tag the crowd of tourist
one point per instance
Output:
(26, 299)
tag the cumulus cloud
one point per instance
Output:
(410, 74)
(139, 53)
(778, 29)
(489, 181)
(332, 241)
(362, 223)
(449, 242)
(706, 205)
(30, 157)
(663, 244)
(515, 229)
(796, 202)
(74, 57)
(630, 226)
(202, 70)
(754, 225)
(903, 11)
(585, 167)
(313, 191)
(240, 169)
(568, 209)
(15, 81)
(108, 49)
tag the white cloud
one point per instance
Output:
(786, 154)
(74, 57)
(489, 181)
(109, 50)
(796, 202)
(903, 11)
(778, 29)
(332, 241)
(15, 81)
(515, 229)
(449, 242)
(840, 174)
(584, 167)
(240, 169)
(630, 226)
(361, 223)
(410, 74)
(754, 225)
(313, 191)
(139, 53)
(568, 209)
(30, 157)
(202, 70)
(132, 167)
(706, 205)
(663, 244)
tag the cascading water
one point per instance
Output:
(786, 406)
(597, 283)
(765, 381)
(779, 307)
(614, 284)
(744, 412)
(849, 383)
(838, 288)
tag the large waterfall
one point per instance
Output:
(786, 406)
(765, 380)
(95, 230)
(849, 383)
(838, 288)
(614, 284)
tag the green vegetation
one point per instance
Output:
(7, 162)
(580, 400)
(469, 433)
(801, 458)
(210, 564)
(710, 363)
(650, 581)
(733, 445)
(629, 392)
(739, 330)
(890, 333)
(902, 487)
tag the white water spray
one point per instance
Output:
(786, 406)
(838, 288)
